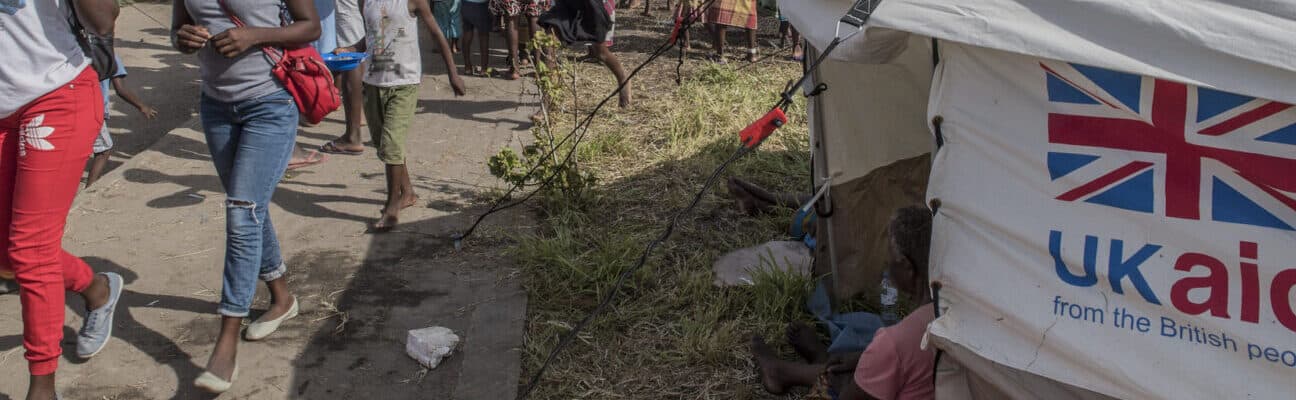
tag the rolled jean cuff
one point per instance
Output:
(277, 273)
(43, 367)
(225, 312)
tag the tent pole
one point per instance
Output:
(819, 172)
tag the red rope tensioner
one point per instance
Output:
(754, 134)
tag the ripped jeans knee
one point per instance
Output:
(235, 208)
(251, 254)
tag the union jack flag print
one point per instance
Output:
(1170, 149)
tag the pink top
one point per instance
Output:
(894, 366)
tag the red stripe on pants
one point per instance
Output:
(43, 149)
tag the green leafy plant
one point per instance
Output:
(551, 74)
(512, 167)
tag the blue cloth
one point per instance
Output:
(250, 142)
(446, 13)
(327, 41)
(11, 7)
(105, 84)
(849, 332)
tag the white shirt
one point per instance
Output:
(392, 34)
(40, 53)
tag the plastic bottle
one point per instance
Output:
(889, 296)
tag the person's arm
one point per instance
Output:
(363, 45)
(423, 11)
(185, 36)
(125, 93)
(305, 28)
(358, 48)
(98, 16)
(878, 371)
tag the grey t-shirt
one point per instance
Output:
(244, 77)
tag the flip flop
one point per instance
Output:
(312, 158)
(332, 148)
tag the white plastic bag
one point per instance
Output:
(429, 346)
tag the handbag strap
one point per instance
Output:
(275, 55)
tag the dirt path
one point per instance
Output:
(161, 76)
(158, 220)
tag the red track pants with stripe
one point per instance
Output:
(43, 150)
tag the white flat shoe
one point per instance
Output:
(214, 384)
(261, 329)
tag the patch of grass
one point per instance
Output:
(671, 333)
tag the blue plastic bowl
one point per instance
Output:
(343, 61)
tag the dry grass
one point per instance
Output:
(671, 334)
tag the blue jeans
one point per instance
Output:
(251, 142)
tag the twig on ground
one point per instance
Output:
(189, 254)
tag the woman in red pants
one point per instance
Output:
(50, 112)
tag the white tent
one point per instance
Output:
(1117, 180)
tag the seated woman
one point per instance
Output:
(894, 366)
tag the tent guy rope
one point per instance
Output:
(751, 137)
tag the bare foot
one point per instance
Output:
(386, 223)
(407, 202)
(805, 341)
(624, 100)
(514, 75)
(766, 358)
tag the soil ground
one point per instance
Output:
(158, 219)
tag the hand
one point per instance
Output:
(190, 38)
(457, 84)
(843, 362)
(149, 112)
(235, 41)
